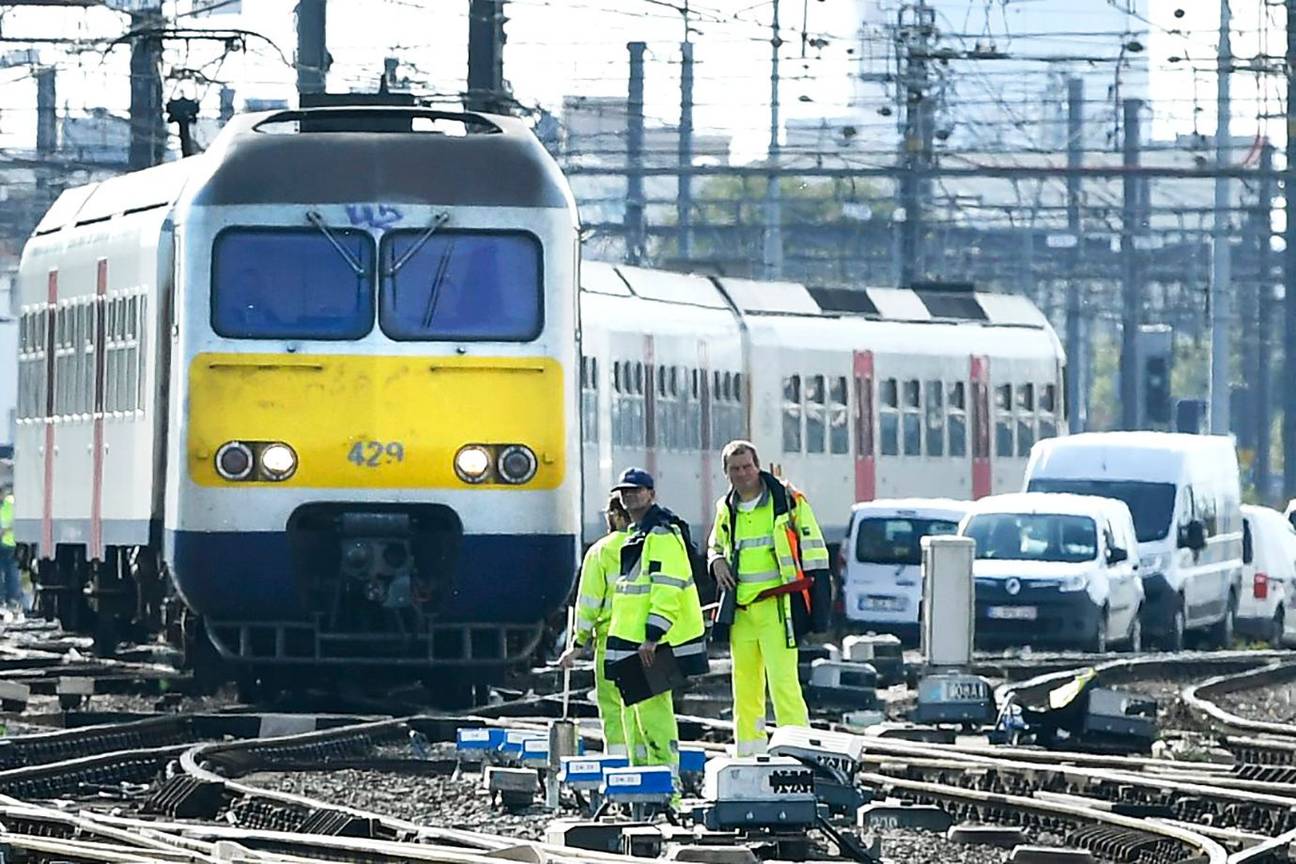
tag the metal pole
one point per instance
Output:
(46, 111)
(686, 148)
(147, 125)
(634, 212)
(773, 246)
(1221, 291)
(1289, 269)
(486, 55)
(1264, 312)
(917, 143)
(1132, 299)
(1077, 353)
(312, 53)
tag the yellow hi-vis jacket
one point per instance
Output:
(775, 544)
(599, 571)
(654, 597)
(7, 522)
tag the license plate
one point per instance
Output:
(1013, 613)
(964, 691)
(881, 604)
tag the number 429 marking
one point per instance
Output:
(371, 454)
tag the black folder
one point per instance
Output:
(638, 682)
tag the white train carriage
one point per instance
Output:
(852, 395)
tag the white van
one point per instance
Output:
(1184, 494)
(881, 560)
(1052, 569)
(1268, 574)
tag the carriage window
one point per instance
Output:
(935, 419)
(838, 416)
(957, 419)
(816, 419)
(1047, 409)
(889, 417)
(1025, 434)
(1004, 422)
(461, 285)
(792, 414)
(912, 420)
(277, 283)
(589, 398)
(1025, 397)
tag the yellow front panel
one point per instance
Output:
(324, 406)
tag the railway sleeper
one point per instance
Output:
(1105, 841)
(183, 797)
(1265, 773)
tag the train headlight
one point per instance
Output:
(472, 463)
(234, 460)
(517, 464)
(278, 461)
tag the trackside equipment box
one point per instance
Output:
(949, 600)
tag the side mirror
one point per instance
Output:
(1116, 555)
(1193, 536)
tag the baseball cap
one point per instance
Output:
(634, 478)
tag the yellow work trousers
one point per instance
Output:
(610, 707)
(758, 646)
(652, 735)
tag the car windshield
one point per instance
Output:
(896, 540)
(461, 286)
(1033, 537)
(290, 283)
(1151, 504)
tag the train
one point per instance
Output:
(339, 394)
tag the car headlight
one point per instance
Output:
(472, 463)
(234, 460)
(1077, 582)
(516, 464)
(1150, 565)
(278, 461)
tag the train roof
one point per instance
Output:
(339, 155)
(756, 298)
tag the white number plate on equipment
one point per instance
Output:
(1013, 613)
(881, 604)
(964, 691)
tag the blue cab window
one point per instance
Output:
(461, 286)
(275, 283)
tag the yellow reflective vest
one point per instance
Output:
(654, 596)
(7, 522)
(771, 545)
(594, 595)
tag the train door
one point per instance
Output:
(980, 375)
(865, 460)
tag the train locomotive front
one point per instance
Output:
(375, 456)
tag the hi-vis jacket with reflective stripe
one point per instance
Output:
(7, 521)
(655, 598)
(594, 596)
(775, 544)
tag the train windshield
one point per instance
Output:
(290, 283)
(1033, 537)
(461, 285)
(1151, 504)
(896, 540)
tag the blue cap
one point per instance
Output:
(634, 478)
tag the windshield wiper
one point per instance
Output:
(438, 220)
(435, 292)
(318, 221)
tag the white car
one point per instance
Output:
(1055, 569)
(1268, 574)
(881, 560)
